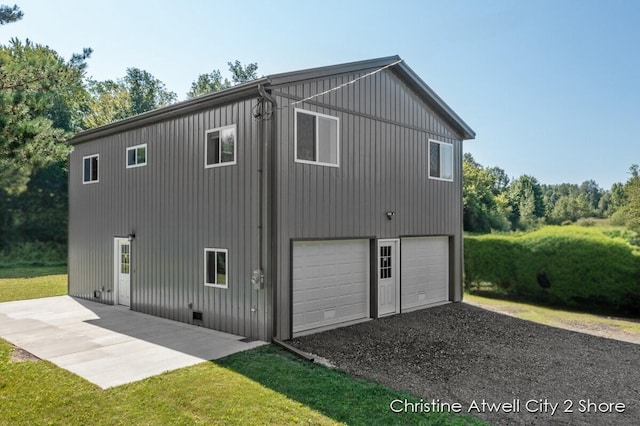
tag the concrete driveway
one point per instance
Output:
(109, 345)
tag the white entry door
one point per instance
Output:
(123, 271)
(388, 277)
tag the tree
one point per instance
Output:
(500, 180)
(525, 199)
(618, 197)
(42, 209)
(146, 92)
(240, 74)
(569, 208)
(592, 192)
(482, 210)
(139, 91)
(213, 81)
(631, 208)
(208, 83)
(9, 14)
(110, 101)
(41, 99)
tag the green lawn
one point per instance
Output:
(32, 283)
(599, 325)
(263, 386)
(41, 393)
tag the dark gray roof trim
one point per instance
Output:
(249, 89)
(403, 70)
(234, 93)
(324, 72)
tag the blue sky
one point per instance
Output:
(552, 88)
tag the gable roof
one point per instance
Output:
(249, 89)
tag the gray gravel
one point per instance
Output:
(461, 353)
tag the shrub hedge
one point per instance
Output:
(569, 266)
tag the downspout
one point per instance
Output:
(268, 246)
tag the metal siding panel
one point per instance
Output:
(170, 203)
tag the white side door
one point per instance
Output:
(123, 271)
(388, 277)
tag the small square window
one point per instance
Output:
(215, 268)
(317, 140)
(220, 146)
(440, 160)
(90, 169)
(137, 156)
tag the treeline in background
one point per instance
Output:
(44, 100)
(493, 202)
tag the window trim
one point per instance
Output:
(135, 148)
(295, 137)
(226, 272)
(87, 182)
(235, 146)
(429, 161)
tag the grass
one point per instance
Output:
(263, 386)
(605, 326)
(41, 393)
(32, 283)
(333, 393)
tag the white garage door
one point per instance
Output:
(425, 271)
(330, 283)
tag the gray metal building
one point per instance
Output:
(290, 204)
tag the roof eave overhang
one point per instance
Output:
(235, 93)
(328, 71)
(407, 74)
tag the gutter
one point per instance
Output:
(231, 94)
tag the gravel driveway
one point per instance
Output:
(459, 353)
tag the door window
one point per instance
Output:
(385, 262)
(124, 259)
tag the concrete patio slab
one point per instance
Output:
(110, 345)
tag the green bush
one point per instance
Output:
(585, 222)
(569, 266)
(34, 254)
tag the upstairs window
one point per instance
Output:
(215, 267)
(137, 156)
(316, 138)
(90, 169)
(220, 146)
(440, 160)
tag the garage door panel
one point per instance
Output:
(330, 283)
(425, 271)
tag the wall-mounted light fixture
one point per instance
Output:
(390, 215)
(131, 236)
